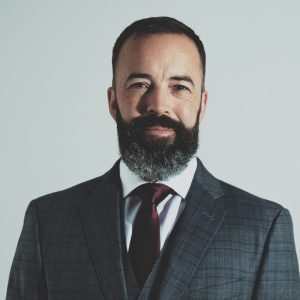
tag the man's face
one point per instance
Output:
(156, 103)
(158, 74)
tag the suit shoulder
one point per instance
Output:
(71, 196)
(239, 199)
(235, 200)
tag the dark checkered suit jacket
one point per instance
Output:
(227, 244)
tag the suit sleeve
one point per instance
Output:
(278, 276)
(27, 277)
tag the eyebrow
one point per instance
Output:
(138, 75)
(148, 76)
(183, 78)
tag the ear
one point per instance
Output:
(204, 100)
(112, 101)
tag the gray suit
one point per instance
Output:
(227, 244)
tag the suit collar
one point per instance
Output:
(207, 181)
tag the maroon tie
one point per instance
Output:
(145, 241)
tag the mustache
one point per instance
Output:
(143, 122)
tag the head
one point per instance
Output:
(158, 97)
(157, 25)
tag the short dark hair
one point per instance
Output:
(157, 25)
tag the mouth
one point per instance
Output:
(159, 131)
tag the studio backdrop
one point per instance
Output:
(55, 68)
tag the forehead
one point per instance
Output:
(164, 52)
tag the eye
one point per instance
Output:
(180, 87)
(139, 85)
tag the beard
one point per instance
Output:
(156, 158)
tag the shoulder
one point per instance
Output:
(71, 197)
(248, 209)
(235, 196)
(240, 205)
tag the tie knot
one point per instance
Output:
(153, 193)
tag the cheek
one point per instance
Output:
(187, 115)
(128, 110)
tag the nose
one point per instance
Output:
(157, 102)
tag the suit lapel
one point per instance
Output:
(100, 217)
(191, 237)
(186, 246)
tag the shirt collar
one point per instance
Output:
(180, 183)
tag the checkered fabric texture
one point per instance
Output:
(227, 244)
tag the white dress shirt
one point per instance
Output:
(169, 209)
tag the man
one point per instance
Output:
(158, 225)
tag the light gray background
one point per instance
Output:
(55, 68)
